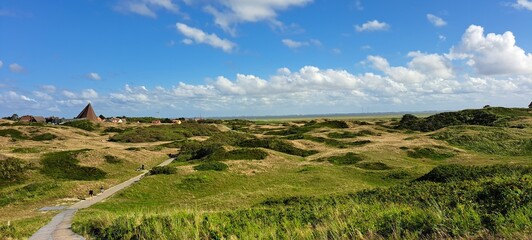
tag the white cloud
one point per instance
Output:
(372, 26)
(436, 21)
(15, 67)
(49, 88)
(89, 93)
(146, 8)
(94, 76)
(198, 36)
(492, 54)
(526, 4)
(42, 95)
(228, 13)
(69, 94)
(297, 44)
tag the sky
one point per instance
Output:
(191, 58)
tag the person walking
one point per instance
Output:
(91, 193)
(101, 189)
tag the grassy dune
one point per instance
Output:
(365, 178)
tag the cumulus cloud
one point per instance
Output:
(16, 68)
(69, 94)
(228, 13)
(198, 36)
(492, 54)
(436, 21)
(372, 26)
(297, 44)
(94, 76)
(89, 93)
(146, 8)
(523, 4)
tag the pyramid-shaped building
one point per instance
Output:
(88, 113)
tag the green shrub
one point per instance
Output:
(44, 137)
(13, 133)
(163, 170)
(352, 134)
(157, 133)
(28, 192)
(453, 172)
(212, 165)
(112, 159)
(64, 165)
(26, 150)
(238, 154)
(347, 159)
(490, 140)
(441, 120)
(82, 124)
(277, 145)
(429, 153)
(12, 169)
(373, 166)
(113, 129)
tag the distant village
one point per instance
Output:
(88, 114)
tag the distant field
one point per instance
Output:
(297, 178)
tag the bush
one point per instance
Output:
(81, 124)
(490, 140)
(450, 173)
(213, 165)
(26, 150)
(277, 145)
(164, 133)
(112, 159)
(163, 170)
(12, 169)
(441, 120)
(373, 166)
(347, 159)
(113, 129)
(64, 165)
(44, 137)
(238, 154)
(13, 133)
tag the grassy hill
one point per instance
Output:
(337, 178)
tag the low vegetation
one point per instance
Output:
(491, 207)
(163, 170)
(13, 133)
(490, 140)
(430, 153)
(44, 137)
(12, 169)
(211, 166)
(347, 159)
(164, 133)
(82, 124)
(64, 165)
(112, 159)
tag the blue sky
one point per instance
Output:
(256, 57)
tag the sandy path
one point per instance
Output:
(60, 226)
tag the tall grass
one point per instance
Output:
(490, 207)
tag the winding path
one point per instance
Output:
(60, 226)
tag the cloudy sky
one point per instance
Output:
(262, 57)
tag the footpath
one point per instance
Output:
(60, 226)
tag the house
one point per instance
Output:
(88, 114)
(116, 120)
(156, 122)
(530, 105)
(176, 121)
(29, 118)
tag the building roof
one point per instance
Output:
(88, 113)
(39, 119)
